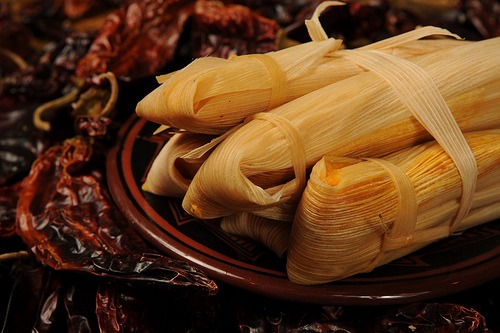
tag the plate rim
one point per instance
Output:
(279, 287)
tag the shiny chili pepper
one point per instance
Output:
(231, 29)
(432, 317)
(34, 295)
(14, 38)
(137, 40)
(9, 196)
(49, 74)
(131, 308)
(68, 220)
(45, 300)
(22, 92)
(484, 15)
(20, 143)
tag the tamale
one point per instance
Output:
(261, 165)
(212, 95)
(355, 214)
(171, 173)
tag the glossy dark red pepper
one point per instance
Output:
(232, 29)
(87, 269)
(68, 220)
(137, 40)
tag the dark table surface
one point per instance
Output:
(37, 297)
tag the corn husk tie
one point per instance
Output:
(358, 214)
(251, 169)
(212, 95)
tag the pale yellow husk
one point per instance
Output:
(275, 235)
(347, 221)
(170, 173)
(257, 168)
(212, 95)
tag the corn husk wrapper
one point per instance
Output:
(358, 214)
(170, 173)
(273, 234)
(212, 95)
(175, 185)
(263, 164)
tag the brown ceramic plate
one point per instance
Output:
(443, 268)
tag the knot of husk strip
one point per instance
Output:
(349, 218)
(403, 234)
(405, 221)
(73, 96)
(295, 145)
(420, 94)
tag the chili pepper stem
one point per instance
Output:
(114, 93)
(52, 105)
(13, 255)
(17, 59)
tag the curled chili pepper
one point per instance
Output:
(137, 39)
(68, 220)
(231, 29)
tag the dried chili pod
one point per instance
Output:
(484, 15)
(254, 313)
(14, 41)
(50, 75)
(9, 196)
(231, 29)
(67, 218)
(137, 39)
(432, 317)
(283, 12)
(20, 143)
(43, 300)
(93, 127)
(33, 298)
(128, 308)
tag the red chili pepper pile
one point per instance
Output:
(69, 260)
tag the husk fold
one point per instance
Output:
(253, 170)
(212, 95)
(349, 218)
(273, 234)
(171, 173)
(410, 118)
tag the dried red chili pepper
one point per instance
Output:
(231, 29)
(67, 218)
(484, 15)
(33, 298)
(9, 196)
(125, 308)
(14, 37)
(137, 39)
(255, 313)
(432, 317)
(44, 300)
(49, 75)
(93, 127)
(77, 8)
(21, 92)
(20, 142)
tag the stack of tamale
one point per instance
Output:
(339, 160)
